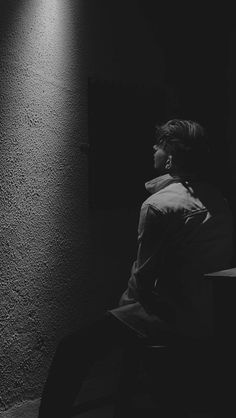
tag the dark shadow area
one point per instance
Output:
(121, 123)
(122, 114)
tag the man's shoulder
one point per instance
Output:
(171, 197)
(188, 199)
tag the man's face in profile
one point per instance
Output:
(160, 160)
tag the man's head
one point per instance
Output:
(181, 148)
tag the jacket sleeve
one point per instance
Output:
(153, 245)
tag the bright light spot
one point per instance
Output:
(40, 61)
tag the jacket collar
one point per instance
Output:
(160, 183)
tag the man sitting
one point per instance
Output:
(185, 230)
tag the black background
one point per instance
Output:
(122, 115)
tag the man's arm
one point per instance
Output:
(153, 245)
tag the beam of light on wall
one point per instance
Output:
(40, 170)
(34, 111)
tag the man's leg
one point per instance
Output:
(73, 358)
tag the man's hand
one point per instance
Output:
(154, 305)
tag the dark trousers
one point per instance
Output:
(73, 358)
(78, 352)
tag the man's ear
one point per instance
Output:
(168, 163)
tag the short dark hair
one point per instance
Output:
(187, 142)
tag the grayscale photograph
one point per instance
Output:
(117, 209)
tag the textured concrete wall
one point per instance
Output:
(44, 241)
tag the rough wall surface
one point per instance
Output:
(44, 242)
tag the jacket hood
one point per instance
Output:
(158, 183)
